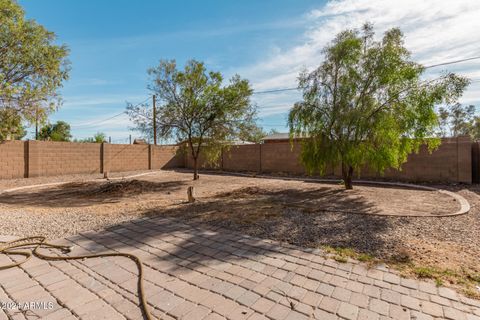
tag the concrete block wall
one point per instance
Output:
(464, 160)
(12, 160)
(202, 162)
(242, 158)
(451, 162)
(51, 158)
(23, 159)
(281, 157)
(166, 157)
(125, 157)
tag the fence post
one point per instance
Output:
(150, 156)
(104, 158)
(260, 156)
(464, 159)
(25, 159)
(33, 158)
(475, 162)
(221, 159)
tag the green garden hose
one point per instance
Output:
(9, 248)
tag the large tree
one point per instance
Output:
(59, 131)
(32, 66)
(11, 127)
(196, 107)
(457, 120)
(367, 105)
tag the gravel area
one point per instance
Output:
(13, 183)
(302, 213)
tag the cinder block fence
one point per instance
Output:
(451, 162)
(24, 159)
(456, 160)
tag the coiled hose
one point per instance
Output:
(37, 242)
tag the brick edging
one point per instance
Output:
(464, 204)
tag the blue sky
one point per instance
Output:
(113, 43)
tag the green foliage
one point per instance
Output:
(474, 129)
(366, 104)
(458, 120)
(251, 133)
(11, 127)
(256, 134)
(99, 137)
(365, 257)
(425, 272)
(341, 259)
(32, 66)
(342, 254)
(59, 131)
(195, 107)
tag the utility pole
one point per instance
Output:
(154, 121)
(130, 138)
(36, 123)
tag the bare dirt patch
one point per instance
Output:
(298, 212)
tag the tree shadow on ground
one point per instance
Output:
(84, 194)
(228, 218)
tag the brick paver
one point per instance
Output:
(198, 272)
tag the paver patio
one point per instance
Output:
(195, 272)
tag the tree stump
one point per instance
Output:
(190, 194)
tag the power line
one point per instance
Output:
(148, 98)
(451, 62)
(95, 123)
(281, 90)
(275, 90)
(426, 67)
(474, 80)
(98, 122)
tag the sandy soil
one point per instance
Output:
(13, 183)
(298, 212)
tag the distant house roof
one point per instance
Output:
(229, 142)
(239, 142)
(139, 141)
(280, 137)
(277, 136)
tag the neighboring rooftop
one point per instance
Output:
(277, 136)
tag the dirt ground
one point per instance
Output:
(299, 212)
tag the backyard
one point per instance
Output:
(397, 227)
(242, 160)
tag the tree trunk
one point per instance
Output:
(347, 175)
(195, 168)
(191, 197)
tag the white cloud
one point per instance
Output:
(91, 82)
(472, 95)
(95, 101)
(97, 114)
(435, 31)
(117, 128)
(120, 121)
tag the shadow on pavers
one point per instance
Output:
(262, 214)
